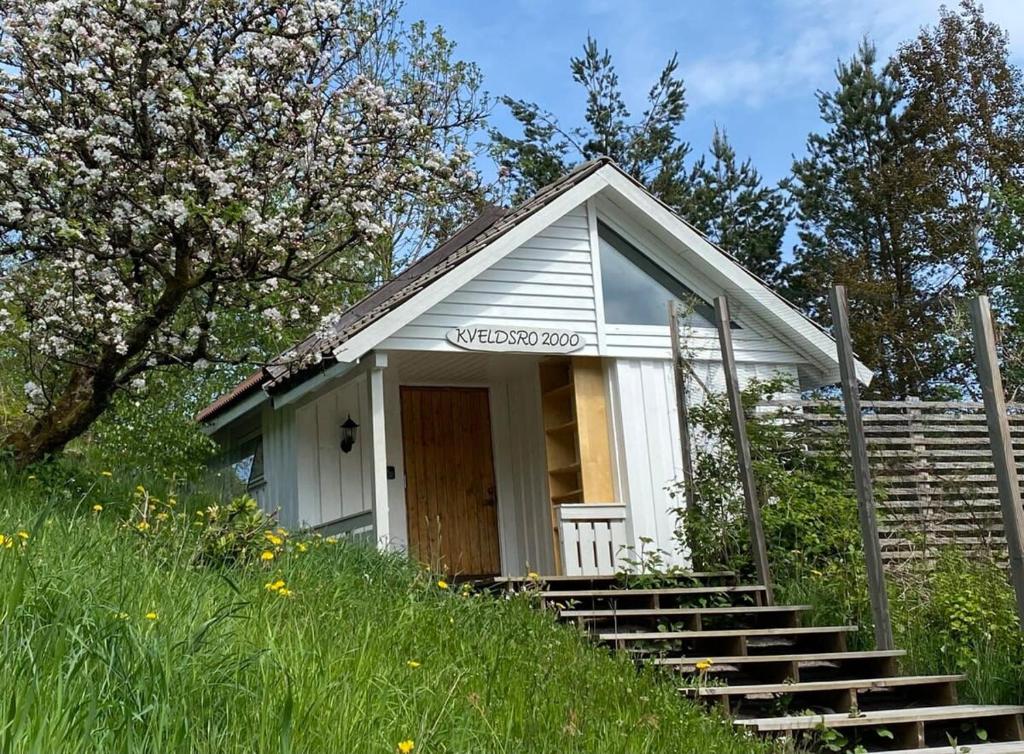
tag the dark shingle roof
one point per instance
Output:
(315, 352)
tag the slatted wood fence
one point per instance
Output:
(932, 471)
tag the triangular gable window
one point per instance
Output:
(637, 291)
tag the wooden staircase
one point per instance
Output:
(772, 675)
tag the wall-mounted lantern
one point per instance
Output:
(348, 434)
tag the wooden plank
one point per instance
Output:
(759, 549)
(861, 471)
(809, 657)
(991, 382)
(881, 717)
(679, 375)
(724, 633)
(858, 684)
(592, 425)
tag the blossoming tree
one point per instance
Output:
(170, 167)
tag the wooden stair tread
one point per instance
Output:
(789, 688)
(661, 591)
(668, 612)
(724, 633)
(802, 657)
(611, 578)
(880, 717)
(1005, 747)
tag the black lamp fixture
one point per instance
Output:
(348, 434)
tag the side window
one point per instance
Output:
(249, 466)
(636, 290)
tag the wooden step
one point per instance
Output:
(603, 582)
(1006, 747)
(747, 700)
(691, 618)
(726, 633)
(857, 684)
(808, 657)
(882, 717)
(679, 612)
(665, 591)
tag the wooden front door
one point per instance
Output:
(450, 496)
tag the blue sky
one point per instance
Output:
(751, 66)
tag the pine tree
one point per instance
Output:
(724, 199)
(857, 211)
(649, 149)
(729, 203)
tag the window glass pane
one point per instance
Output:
(249, 464)
(637, 291)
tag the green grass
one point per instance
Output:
(230, 666)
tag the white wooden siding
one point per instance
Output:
(333, 484)
(646, 435)
(280, 493)
(548, 281)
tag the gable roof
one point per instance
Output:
(373, 312)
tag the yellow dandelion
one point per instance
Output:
(283, 592)
(121, 616)
(274, 586)
(404, 747)
(442, 584)
(107, 474)
(142, 526)
(151, 615)
(273, 539)
(704, 665)
(5, 541)
(97, 508)
(266, 555)
(23, 535)
(331, 540)
(161, 516)
(302, 546)
(412, 664)
(140, 489)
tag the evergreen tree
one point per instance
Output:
(649, 149)
(727, 201)
(857, 211)
(724, 199)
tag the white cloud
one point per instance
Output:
(805, 39)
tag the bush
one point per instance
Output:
(953, 614)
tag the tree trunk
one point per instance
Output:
(84, 399)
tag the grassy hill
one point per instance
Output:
(124, 629)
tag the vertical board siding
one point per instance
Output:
(646, 434)
(546, 282)
(279, 469)
(331, 484)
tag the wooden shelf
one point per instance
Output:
(575, 434)
(560, 428)
(560, 391)
(568, 497)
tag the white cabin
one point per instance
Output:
(513, 389)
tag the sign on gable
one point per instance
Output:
(515, 339)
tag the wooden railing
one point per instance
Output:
(357, 526)
(932, 469)
(591, 535)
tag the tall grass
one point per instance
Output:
(108, 644)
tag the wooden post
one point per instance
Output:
(991, 382)
(682, 407)
(739, 428)
(861, 471)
